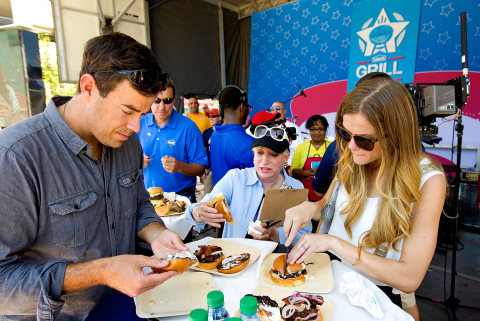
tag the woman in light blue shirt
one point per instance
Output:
(244, 189)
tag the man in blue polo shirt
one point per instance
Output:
(230, 144)
(173, 148)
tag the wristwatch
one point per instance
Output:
(198, 213)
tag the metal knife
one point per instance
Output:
(286, 258)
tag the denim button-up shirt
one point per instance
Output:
(243, 191)
(59, 205)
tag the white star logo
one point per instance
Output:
(347, 3)
(346, 21)
(325, 7)
(255, 59)
(296, 25)
(269, 74)
(304, 51)
(303, 70)
(268, 92)
(315, 2)
(427, 27)
(278, 46)
(295, 62)
(425, 53)
(270, 56)
(261, 83)
(382, 41)
(440, 65)
(255, 41)
(335, 34)
(468, 18)
(315, 20)
(263, 32)
(332, 77)
(475, 62)
(270, 38)
(279, 11)
(345, 43)
(294, 80)
(336, 15)
(296, 6)
(458, 49)
(277, 64)
(263, 15)
(323, 68)
(262, 66)
(305, 13)
(323, 47)
(277, 82)
(313, 59)
(443, 37)
(446, 12)
(262, 49)
(287, 18)
(285, 72)
(344, 65)
(305, 31)
(284, 90)
(279, 29)
(271, 22)
(478, 32)
(296, 43)
(333, 55)
(312, 79)
(314, 39)
(287, 35)
(286, 53)
(429, 4)
(255, 26)
(325, 26)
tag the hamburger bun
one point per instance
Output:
(293, 275)
(234, 263)
(163, 210)
(178, 262)
(220, 204)
(155, 190)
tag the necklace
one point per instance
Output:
(64, 108)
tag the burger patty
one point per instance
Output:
(303, 314)
(290, 275)
(205, 253)
(265, 300)
(177, 208)
(156, 197)
(210, 258)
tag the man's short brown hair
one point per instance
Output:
(116, 51)
(170, 84)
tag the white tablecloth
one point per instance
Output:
(178, 224)
(236, 288)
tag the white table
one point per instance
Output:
(236, 288)
(178, 224)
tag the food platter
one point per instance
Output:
(177, 296)
(318, 267)
(171, 197)
(278, 295)
(230, 248)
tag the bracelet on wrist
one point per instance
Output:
(198, 213)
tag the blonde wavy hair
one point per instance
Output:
(389, 108)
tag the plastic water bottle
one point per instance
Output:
(235, 319)
(248, 307)
(216, 309)
(198, 315)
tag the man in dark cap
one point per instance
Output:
(230, 145)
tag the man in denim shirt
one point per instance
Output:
(72, 193)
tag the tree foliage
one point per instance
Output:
(48, 59)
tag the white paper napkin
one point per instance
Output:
(251, 226)
(359, 295)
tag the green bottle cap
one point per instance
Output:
(248, 305)
(198, 315)
(234, 319)
(215, 299)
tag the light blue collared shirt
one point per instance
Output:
(243, 191)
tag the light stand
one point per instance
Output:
(463, 82)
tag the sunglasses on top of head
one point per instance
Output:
(142, 78)
(276, 133)
(166, 101)
(362, 142)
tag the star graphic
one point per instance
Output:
(269, 74)
(284, 90)
(296, 25)
(262, 49)
(344, 65)
(346, 21)
(305, 13)
(295, 62)
(390, 45)
(325, 7)
(271, 22)
(313, 59)
(445, 37)
(325, 26)
(286, 53)
(475, 62)
(324, 47)
(323, 67)
(444, 11)
(427, 27)
(277, 82)
(440, 65)
(270, 38)
(261, 83)
(255, 59)
(304, 51)
(312, 79)
(468, 18)
(263, 32)
(345, 43)
(285, 72)
(279, 29)
(332, 77)
(303, 70)
(287, 18)
(287, 35)
(347, 3)
(315, 20)
(296, 43)
(279, 10)
(425, 53)
(277, 64)
(314, 39)
(255, 41)
(270, 56)
(305, 31)
(294, 81)
(278, 45)
(262, 66)
(296, 6)
(478, 32)
(260, 101)
(336, 15)
(333, 55)
(263, 15)
(335, 34)
(268, 92)
(429, 4)
(458, 49)
(255, 26)
(254, 76)
(252, 93)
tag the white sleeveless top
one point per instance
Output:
(365, 222)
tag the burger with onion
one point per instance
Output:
(300, 307)
(209, 256)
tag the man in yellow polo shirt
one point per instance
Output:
(199, 118)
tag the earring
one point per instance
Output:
(285, 165)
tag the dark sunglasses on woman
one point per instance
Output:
(364, 143)
(143, 78)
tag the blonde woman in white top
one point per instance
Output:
(391, 193)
